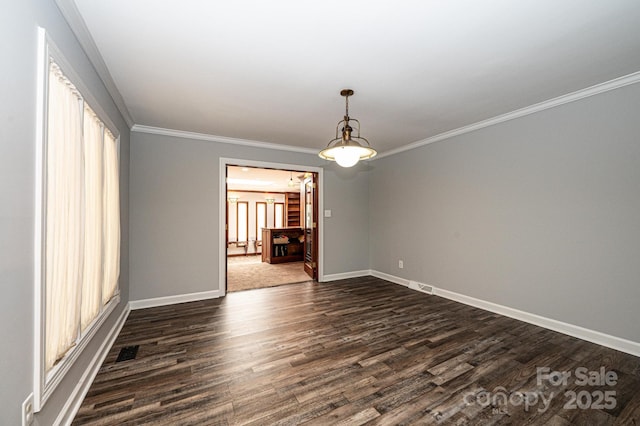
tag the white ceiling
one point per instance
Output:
(272, 71)
(263, 180)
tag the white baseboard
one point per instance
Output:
(71, 407)
(392, 278)
(172, 300)
(589, 335)
(345, 275)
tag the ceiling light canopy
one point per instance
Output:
(348, 149)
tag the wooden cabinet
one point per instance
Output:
(292, 206)
(280, 245)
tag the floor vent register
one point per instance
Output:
(128, 353)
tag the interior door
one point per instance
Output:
(311, 225)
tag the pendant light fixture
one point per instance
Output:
(291, 182)
(349, 148)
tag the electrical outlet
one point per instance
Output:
(27, 411)
(400, 264)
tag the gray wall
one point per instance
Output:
(18, 40)
(346, 232)
(174, 213)
(540, 213)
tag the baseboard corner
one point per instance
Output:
(345, 275)
(175, 299)
(390, 278)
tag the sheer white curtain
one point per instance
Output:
(94, 206)
(64, 217)
(82, 219)
(111, 218)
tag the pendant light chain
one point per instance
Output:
(347, 106)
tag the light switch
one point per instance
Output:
(327, 213)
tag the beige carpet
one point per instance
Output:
(248, 272)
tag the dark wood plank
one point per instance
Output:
(357, 351)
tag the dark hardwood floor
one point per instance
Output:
(357, 351)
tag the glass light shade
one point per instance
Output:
(347, 155)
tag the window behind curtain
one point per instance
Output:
(279, 215)
(111, 223)
(242, 221)
(261, 219)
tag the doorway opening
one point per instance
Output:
(271, 224)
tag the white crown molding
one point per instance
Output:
(74, 19)
(79, 28)
(593, 336)
(220, 139)
(532, 109)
